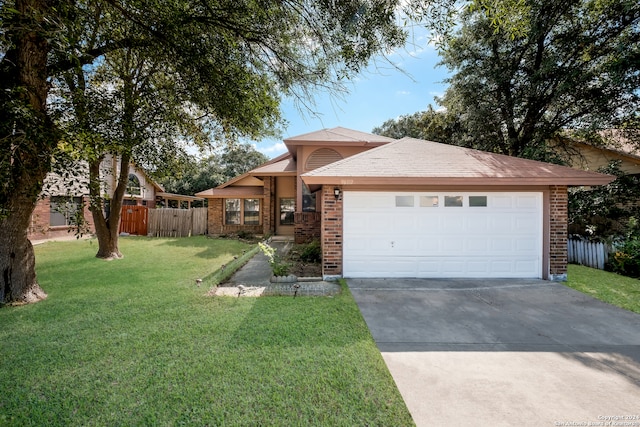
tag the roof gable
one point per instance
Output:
(340, 135)
(414, 161)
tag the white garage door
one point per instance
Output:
(450, 234)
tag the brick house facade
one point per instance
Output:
(51, 216)
(302, 193)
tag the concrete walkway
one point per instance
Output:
(504, 352)
(256, 273)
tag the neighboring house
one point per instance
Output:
(586, 156)
(64, 196)
(406, 208)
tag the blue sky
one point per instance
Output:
(380, 94)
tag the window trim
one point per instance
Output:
(241, 211)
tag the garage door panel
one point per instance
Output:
(453, 223)
(452, 245)
(526, 202)
(525, 245)
(503, 244)
(478, 267)
(477, 244)
(501, 239)
(478, 224)
(428, 245)
(501, 202)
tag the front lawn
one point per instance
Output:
(608, 287)
(135, 342)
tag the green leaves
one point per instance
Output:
(565, 68)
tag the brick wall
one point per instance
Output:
(331, 233)
(558, 233)
(215, 216)
(268, 219)
(216, 225)
(307, 226)
(40, 229)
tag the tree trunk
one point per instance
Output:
(107, 228)
(17, 260)
(29, 145)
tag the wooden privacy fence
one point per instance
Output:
(177, 222)
(591, 254)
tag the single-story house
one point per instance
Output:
(406, 208)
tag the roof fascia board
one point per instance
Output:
(484, 181)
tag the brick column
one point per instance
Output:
(268, 220)
(558, 219)
(331, 234)
(215, 216)
(39, 226)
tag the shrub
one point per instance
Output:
(626, 259)
(311, 252)
(247, 235)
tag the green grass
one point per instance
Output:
(608, 287)
(134, 342)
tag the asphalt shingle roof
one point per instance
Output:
(416, 161)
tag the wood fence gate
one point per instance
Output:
(134, 220)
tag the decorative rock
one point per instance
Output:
(284, 279)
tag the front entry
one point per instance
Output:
(285, 205)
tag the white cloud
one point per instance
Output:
(273, 150)
(403, 92)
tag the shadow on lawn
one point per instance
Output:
(311, 322)
(211, 248)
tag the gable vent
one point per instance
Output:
(321, 157)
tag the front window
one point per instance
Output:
(64, 210)
(232, 211)
(242, 211)
(308, 199)
(252, 211)
(287, 209)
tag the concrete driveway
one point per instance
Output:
(504, 352)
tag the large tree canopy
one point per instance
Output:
(243, 54)
(431, 125)
(213, 170)
(576, 65)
